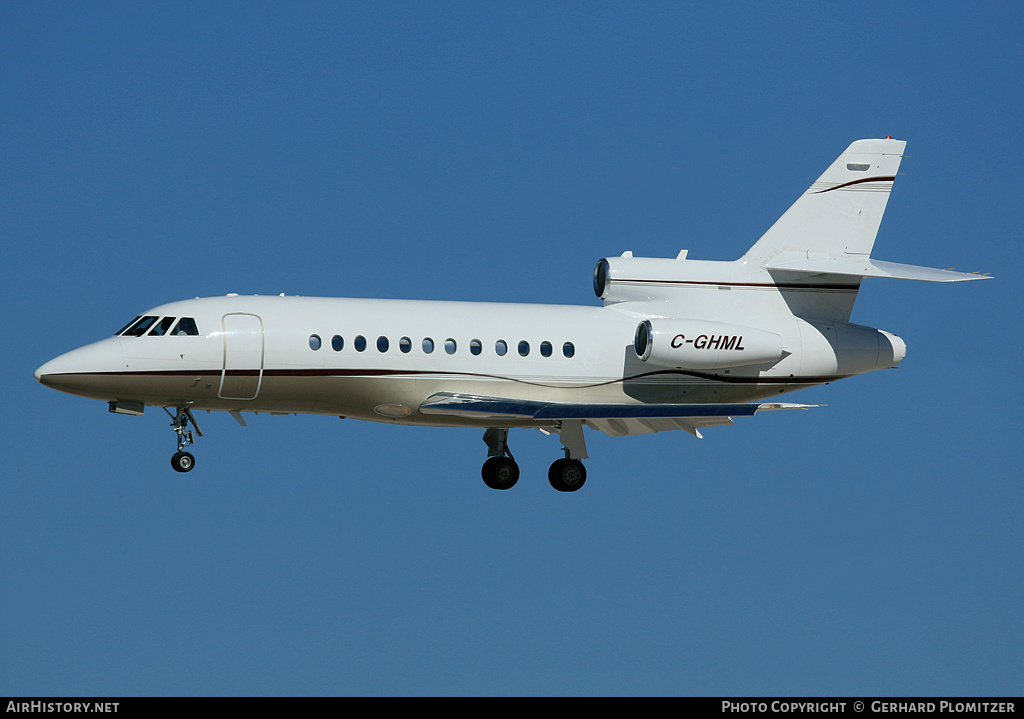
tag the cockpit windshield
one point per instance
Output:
(140, 325)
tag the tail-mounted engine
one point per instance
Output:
(639, 279)
(703, 345)
(621, 279)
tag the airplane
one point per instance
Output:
(677, 344)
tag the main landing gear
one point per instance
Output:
(500, 471)
(183, 461)
(568, 474)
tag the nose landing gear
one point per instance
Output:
(183, 461)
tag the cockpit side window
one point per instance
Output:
(186, 326)
(162, 326)
(139, 328)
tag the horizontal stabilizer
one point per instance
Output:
(862, 266)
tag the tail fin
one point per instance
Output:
(815, 255)
(831, 228)
(840, 213)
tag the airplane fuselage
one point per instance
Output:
(380, 359)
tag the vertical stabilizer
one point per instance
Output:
(840, 213)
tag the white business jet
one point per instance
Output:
(678, 344)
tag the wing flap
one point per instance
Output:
(624, 426)
(618, 419)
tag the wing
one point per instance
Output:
(616, 420)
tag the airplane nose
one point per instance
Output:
(90, 371)
(47, 370)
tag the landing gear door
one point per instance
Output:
(243, 357)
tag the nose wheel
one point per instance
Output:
(183, 461)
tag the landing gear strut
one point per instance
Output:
(183, 461)
(568, 474)
(500, 471)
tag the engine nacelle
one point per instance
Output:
(699, 344)
(628, 278)
(860, 349)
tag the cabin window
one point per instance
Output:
(450, 346)
(428, 345)
(314, 342)
(382, 344)
(185, 326)
(500, 348)
(475, 347)
(337, 343)
(139, 328)
(162, 326)
(360, 343)
(405, 344)
(568, 349)
(524, 348)
(545, 348)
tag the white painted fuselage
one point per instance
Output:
(380, 359)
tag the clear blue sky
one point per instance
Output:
(495, 151)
